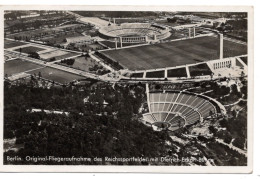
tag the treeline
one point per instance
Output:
(103, 126)
(118, 14)
(23, 24)
(109, 61)
(68, 61)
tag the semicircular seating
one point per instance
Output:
(177, 108)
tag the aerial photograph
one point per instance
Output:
(144, 88)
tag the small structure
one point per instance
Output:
(201, 131)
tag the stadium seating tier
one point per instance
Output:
(178, 108)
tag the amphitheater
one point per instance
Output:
(134, 32)
(175, 109)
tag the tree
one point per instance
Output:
(239, 142)
(52, 59)
(34, 55)
(212, 130)
(172, 20)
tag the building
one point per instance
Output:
(201, 131)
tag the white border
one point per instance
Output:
(154, 169)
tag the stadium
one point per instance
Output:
(176, 109)
(134, 32)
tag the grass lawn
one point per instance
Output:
(18, 66)
(10, 44)
(30, 49)
(53, 53)
(177, 72)
(200, 70)
(60, 38)
(137, 75)
(67, 55)
(84, 63)
(57, 54)
(57, 75)
(244, 59)
(94, 46)
(155, 74)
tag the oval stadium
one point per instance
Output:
(134, 32)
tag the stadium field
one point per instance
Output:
(18, 66)
(56, 75)
(174, 53)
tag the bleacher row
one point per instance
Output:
(129, 31)
(132, 28)
(174, 120)
(172, 107)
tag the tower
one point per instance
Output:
(154, 37)
(121, 43)
(220, 46)
(116, 43)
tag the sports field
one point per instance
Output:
(10, 44)
(57, 75)
(53, 53)
(57, 54)
(84, 63)
(18, 66)
(30, 49)
(174, 53)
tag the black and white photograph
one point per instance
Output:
(102, 87)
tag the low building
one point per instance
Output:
(201, 131)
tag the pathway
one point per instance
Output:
(243, 152)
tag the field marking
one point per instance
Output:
(34, 69)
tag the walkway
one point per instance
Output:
(243, 152)
(240, 99)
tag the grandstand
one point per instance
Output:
(134, 32)
(176, 109)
